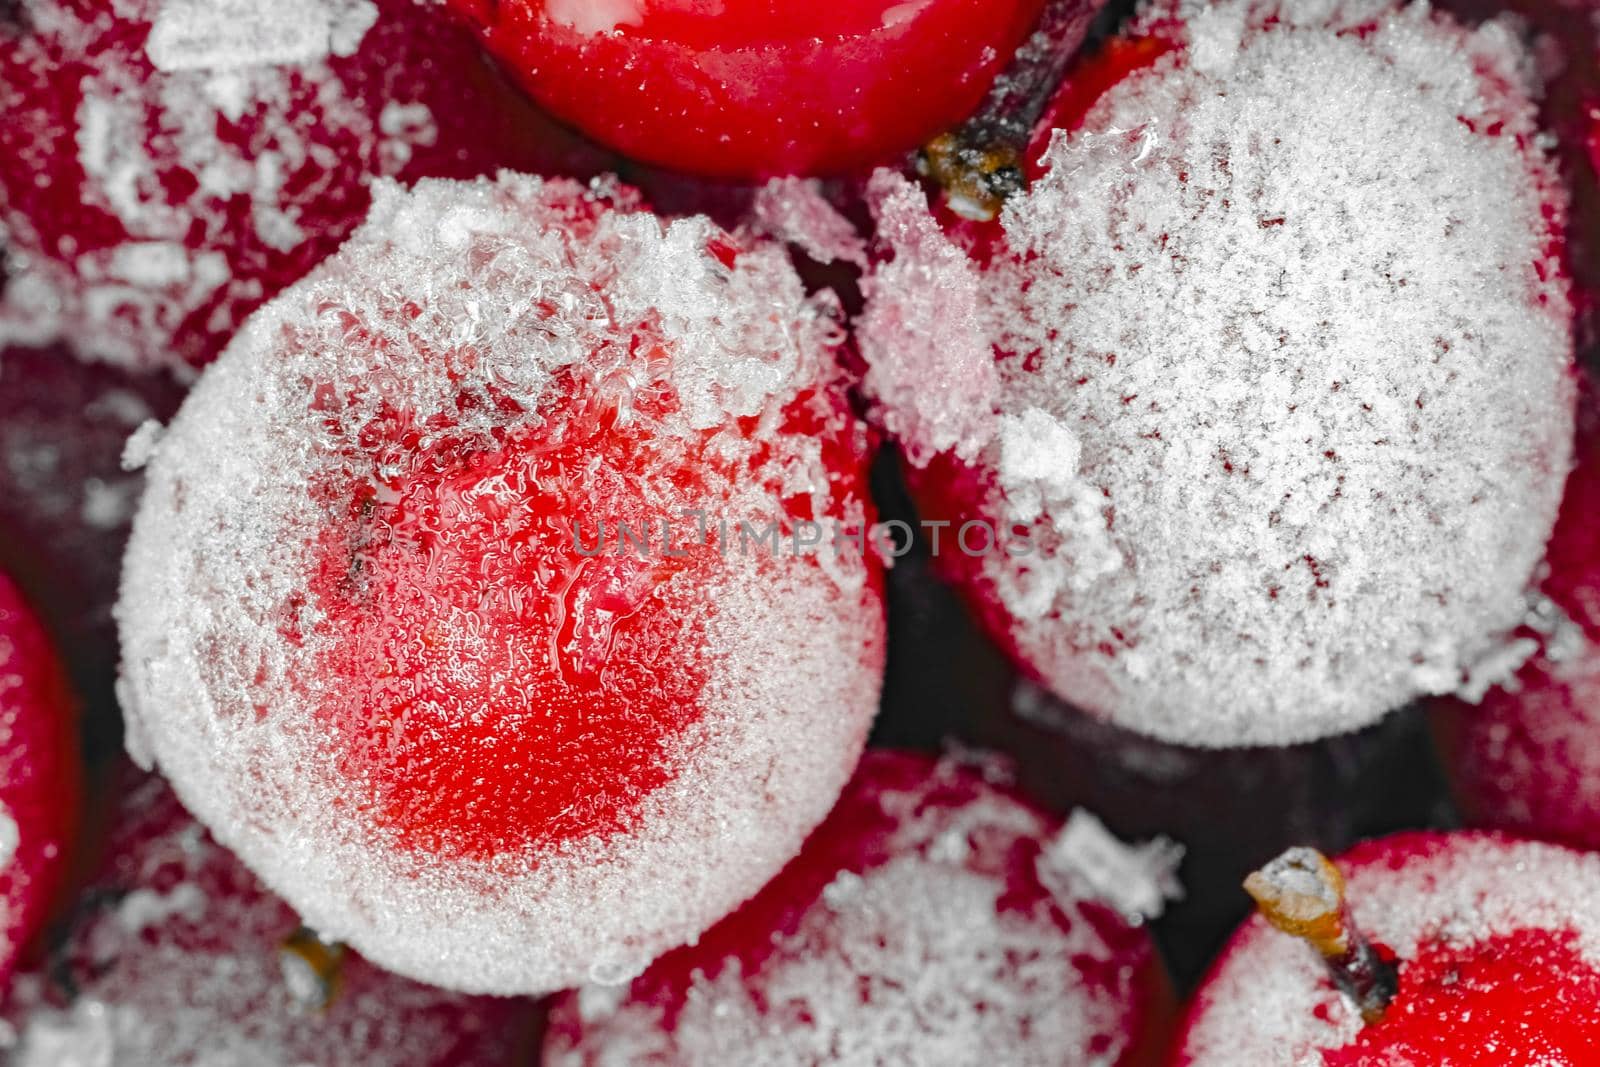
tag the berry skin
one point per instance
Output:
(925, 921)
(754, 88)
(194, 171)
(1493, 941)
(177, 955)
(1137, 386)
(440, 648)
(39, 776)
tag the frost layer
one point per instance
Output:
(364, 633)
(932, 919)
(1272, 367)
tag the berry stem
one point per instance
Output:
(981, 163)
(1302, 893)
(313, 967)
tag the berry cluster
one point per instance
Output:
(801, 535)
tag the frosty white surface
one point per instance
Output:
(1284, 392)
(917, 961)
(509, 297)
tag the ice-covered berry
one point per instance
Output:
(756, 88)
(1258, 403)
(935, 917)
(177, 956)
(1495, 949)
(168, 165)
(501, 595)
(39, 776)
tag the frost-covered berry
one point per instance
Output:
(934, 918)
(168, 165)
(755, 88)
(177, 956)
(1493, 945)
(1527, 757)
(66, 504)
(39, 776)
(486, 595)
(1262, 390)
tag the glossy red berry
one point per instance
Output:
(39, 776)
(935, 917)
(754, 88)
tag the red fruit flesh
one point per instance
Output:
(1525, 999)
(754, 88)
(39, 775)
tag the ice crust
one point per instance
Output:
(934, 953)
(1273, 365)
(218, 153)
(460, 303)
(177, 963)
(1270, 1002)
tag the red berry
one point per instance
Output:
(39, 777)
(1493, 940)
(177, 955)
(1206, 495)
(934, 917)
(200, 157)
(754, 88)
(372, 631)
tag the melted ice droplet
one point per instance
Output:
(1136, 880)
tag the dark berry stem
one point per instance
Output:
(981, 163)
(1302, 893)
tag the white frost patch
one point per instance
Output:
(10, 838)
(603, 16)
(1137, 881)
(229, 34)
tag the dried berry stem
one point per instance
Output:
(981, 163)
(1302, 893)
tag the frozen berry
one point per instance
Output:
(39, 776)
(1248, 422)
(1527, 758)
(502, 596)
(168, 165)
(1470, 950)
(66, 504)
(755, 88)
(933, 918)
(177, 956)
